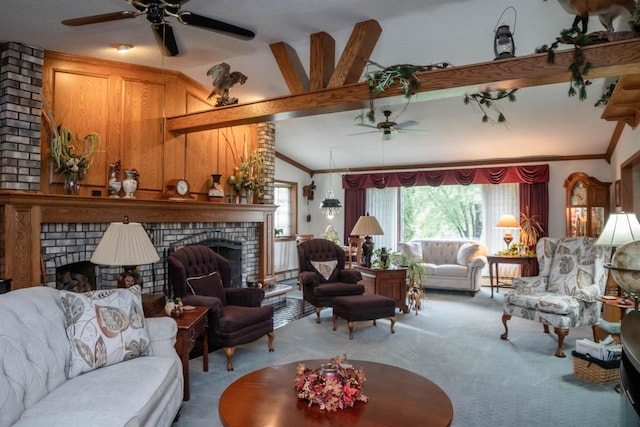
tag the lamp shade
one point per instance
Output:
(125, 243)
(508, 221)
(367, 226)
(621, 228)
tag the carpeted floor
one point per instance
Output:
(454, 341)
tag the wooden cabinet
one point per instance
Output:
(390, 283)
(587, 205)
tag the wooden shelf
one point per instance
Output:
(624, 104)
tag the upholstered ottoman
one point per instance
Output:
(356, 308)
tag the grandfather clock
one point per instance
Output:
(587, 205)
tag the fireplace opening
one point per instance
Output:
(76, 277)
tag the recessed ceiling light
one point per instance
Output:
(122, 48)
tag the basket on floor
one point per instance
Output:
(595, 370)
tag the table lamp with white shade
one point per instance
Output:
(508, 222)
(367, 226)
(126, 244)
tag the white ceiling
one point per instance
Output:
(542, 122)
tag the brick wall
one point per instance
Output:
(20, 105)
(64, 244)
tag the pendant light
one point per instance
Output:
(330, 206)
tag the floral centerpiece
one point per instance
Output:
(331, 234)
(335, 385)
(72, 154)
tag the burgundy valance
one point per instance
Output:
(531, 174)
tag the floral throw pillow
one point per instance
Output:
(104, 327)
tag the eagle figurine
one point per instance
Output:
(223, 80)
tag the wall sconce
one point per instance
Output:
(503, 44)
(508, 221)
(126, 244)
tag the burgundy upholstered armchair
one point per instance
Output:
(201, 277)
(322, 274)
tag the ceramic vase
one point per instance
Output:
(114, 185)
(216, 192)
(71, 184)
(129, 185)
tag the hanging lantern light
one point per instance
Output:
(503, 44)
(330, 206)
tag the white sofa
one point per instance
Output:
(450, 264)
(35, 388)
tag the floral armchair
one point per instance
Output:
(563, 295)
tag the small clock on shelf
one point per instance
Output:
(178, 189)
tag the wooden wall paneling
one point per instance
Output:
(142, 131)
(80, 103)
(22, 228)
(202, 151)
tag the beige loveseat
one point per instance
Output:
(450, 264)
(37, 388)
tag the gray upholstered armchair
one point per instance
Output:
(200, 276)
(563, 295)
(322, 274)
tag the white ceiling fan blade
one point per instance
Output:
(415, 131)
(406, 124)
(363, 133)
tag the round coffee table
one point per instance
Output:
(397, 397)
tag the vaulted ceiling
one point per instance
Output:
(543, 122)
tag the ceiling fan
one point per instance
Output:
(387, 127)
(156, 12)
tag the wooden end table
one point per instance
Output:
(613, 310)
(528, 264)
(389, 282)
(192, 325)
(397, 397)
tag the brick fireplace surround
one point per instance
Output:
(40, 232)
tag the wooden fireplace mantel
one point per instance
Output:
(23, 213)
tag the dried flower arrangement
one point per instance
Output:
(335, 385)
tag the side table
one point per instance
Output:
(529, 266)
(192, 325)
(613, 311)
(388, 282)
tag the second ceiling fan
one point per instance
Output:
(388, 126)
(157, 12)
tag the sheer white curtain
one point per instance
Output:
(383, 204)
(497, 200)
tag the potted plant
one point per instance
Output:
(415, 274)
(73, 155)
(530, 230)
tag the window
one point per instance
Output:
(284, 195)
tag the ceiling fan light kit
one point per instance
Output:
(122, 47)
(157, 12)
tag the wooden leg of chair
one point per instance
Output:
(271, 335)
(505, 318)
(351, 325)
(561, 332)
(596, 333)
(546, 328)
(393, 322)
(318, 310)
(228, 351)
(334, 318)
(374, 322)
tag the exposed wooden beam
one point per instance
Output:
(290, 67)
(294, 163)
(354, 57)
(322, 60)
(608, 59)
(615, 138)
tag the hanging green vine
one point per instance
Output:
(604, 98)
(487, 102)
(402, 75)
(580, 67)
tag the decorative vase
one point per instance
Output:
(216, 193)
(71, 184)
(129, 185)
(113, 185)
(249, 198)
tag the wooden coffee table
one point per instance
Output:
(397, 397)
